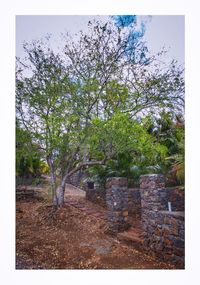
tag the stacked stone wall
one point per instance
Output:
(76, 179)
(177, 198)
(97, 195)
(134, 202)
(164, 236)
(163, 230)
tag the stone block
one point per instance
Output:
(178, 251)
(166, 230)
(174, 230)
(179, 262)
(125, 213)
(179, 243)
(182, 234)
(159, 248)
(167, 220)
(158, 232)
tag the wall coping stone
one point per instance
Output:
(116, 178)
(152, 175)
(173, 213)
(117, 181)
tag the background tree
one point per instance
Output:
(107, 54)
(41, 101)
(27, 155)
(169, 130)
(128, 147)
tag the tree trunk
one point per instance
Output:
(60, 191)
(53, 181)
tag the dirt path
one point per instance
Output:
(71, 238)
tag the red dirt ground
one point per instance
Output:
(70, 238)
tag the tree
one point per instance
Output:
(40, 99)
(169, 131)
(106, 54)
(126, 143)
(70, 102)
(27, 155)
(47, 106)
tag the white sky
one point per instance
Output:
(167, 31)
(161, 31)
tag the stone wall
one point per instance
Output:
(158, 199)
(177, 198)
(156, 196)
(164, 195)
(117, 204)
(164, 230)
(134, 202)
(97, 195)
(76, 179)
(164, 236)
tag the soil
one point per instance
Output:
(70, 237)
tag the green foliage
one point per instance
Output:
(129, 148)
(178, 162)
(169, 132)
(44, 168)
(27, 155)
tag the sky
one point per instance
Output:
(161, 31)
(167, 31)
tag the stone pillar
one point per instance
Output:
(151, 202)
(150, 185)
(117, 204)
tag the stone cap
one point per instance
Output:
(151, 175)
(120, 181)
(152, 181)
(173, 213)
